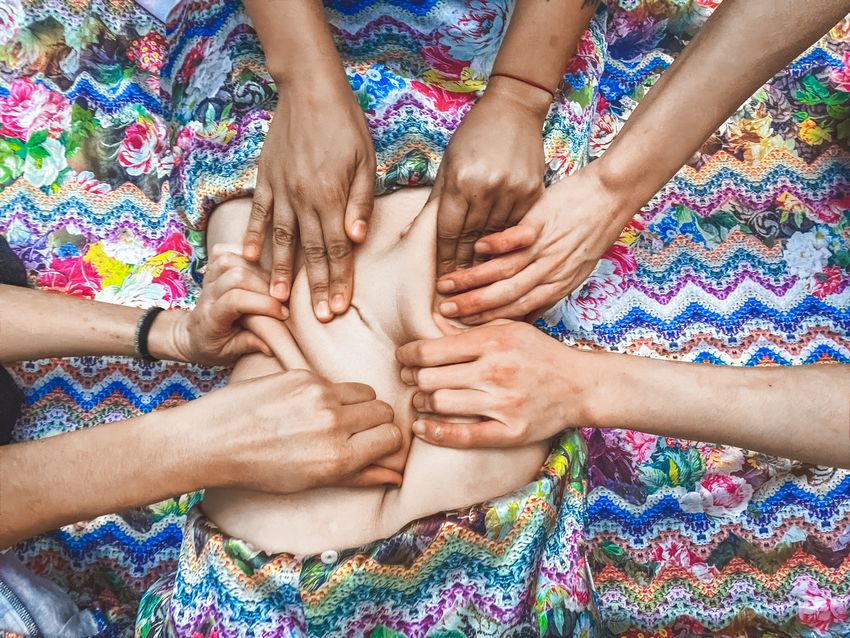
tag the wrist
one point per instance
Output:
(536, 101)
(169, 336)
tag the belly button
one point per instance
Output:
(330, 556)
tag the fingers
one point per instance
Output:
(358, 417)
(361, 200)
(349, 393)
(223, 260)
(464, 435)
(496, 295)
(514, 238)
(375, 443)
(431, 379)
(476, 219)
(340, 262)
(489, 272)
(373, 476)
(427, 353)
(261, 211)
(541, 298)
(316, 264)
(452, 402)
(236, 302)
(246, 342)
(245, 276)
(451, 213)
(496, 222)
(283, 249)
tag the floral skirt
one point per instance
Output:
(512, 566)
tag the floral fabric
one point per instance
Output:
(116, 141)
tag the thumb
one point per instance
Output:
(361, 200)
(246, 342)
(374, 475)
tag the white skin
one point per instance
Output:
(392, 304)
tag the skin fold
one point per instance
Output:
(392, 304)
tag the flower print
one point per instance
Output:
(674, 553)
(672, 466)
(138, 289)
(841, 77)
(640, 445)
(127, 248)
(142, 146)
(11, 18)
(32, 107)
(191, 61)
(43, 170)
(818, 608)
(171, 281)
(148, 52)
(89, 183)
(841, 33)
(719, 495)
(208, 75)
(220, 132)
(476, 33)
(443, 100)
(603, 130)
(587, 305)
(72, 276)
(440, 62)
(175, 242)
(812, 134)
(828, 281)
(622, 258)
(721, 458)
(806, 254)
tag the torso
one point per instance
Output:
(392, 305)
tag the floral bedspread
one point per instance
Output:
(742, 259)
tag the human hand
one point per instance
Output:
(542, 259)
(526, 385)
(492, 170)
(292, 431)
(317, 167)
(211, 333)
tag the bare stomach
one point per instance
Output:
(392, 305)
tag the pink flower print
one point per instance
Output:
(141, 147)
(841, 76)
(818, 608)
(32, 107)
(719, 495)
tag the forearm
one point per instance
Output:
(84, 474)
(541, 38)
(742, 45)
(36, 324)
(296, 41)
(800, 412)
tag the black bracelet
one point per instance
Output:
(143, 330)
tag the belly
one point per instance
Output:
(392, 305)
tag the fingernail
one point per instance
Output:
(481, 247)
(446, 286)
(392, 485)
(323, 311)
(338, 303)
(407, 376)
(448, 309)
(280, 290)
(360, 227)
(418, 401)
(418, 428)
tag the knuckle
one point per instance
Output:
(339, 250)
(314, 253)
(283, 236)
(259, 212)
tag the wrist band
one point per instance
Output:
(524, 81)
(143, 329)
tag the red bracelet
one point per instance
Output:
(524, 81)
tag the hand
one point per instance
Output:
(526, 385)
(211, 334)
(541, 260)
(293, 431)
(492, 171)
(317, 165)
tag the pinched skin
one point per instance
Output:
(392, 304)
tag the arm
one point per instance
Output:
(531, 387)
(493, 168)
(558, 243)
(36, 324)
(281, 433)
(316, 173)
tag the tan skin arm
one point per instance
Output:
(560, 240)
(531, 387)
